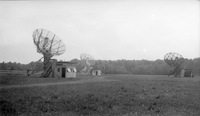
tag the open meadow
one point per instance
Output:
(110, 95)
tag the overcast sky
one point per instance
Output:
(107, 30)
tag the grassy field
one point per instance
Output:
(126, 95)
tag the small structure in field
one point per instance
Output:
(186, 73)
(96, 72)
(63, 69)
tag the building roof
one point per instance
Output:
(66, 63)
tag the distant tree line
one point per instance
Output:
(158, 67)
(18, 66)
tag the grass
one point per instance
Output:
(131, 95)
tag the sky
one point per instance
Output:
(107, 30)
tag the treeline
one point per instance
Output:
(158, 67)
(37, 66)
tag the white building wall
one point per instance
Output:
(70, 71)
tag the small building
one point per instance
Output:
(63, 70)
(96, 72)
(186, 73)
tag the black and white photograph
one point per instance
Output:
(100, 58)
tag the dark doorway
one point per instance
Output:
(63, 72)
